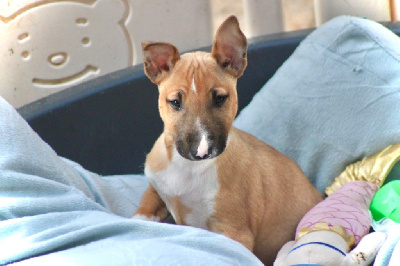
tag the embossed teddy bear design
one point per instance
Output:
(51, 45)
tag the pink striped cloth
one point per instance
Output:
(347, 207)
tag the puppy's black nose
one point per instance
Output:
(201, 156)
(205, 156)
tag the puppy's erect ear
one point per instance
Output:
(158, 58)
(230, 47)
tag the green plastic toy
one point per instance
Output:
(386, 203)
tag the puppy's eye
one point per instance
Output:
(176, 104)
(220, 99)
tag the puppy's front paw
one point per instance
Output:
(146, 218)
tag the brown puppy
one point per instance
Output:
(207, 173)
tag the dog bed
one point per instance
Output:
(334, 101)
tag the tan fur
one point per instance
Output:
(260, 195)
(179, 208)
(158, 160)
(200, 65)
(152, 205)
(263, 195)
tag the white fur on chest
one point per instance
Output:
(194, 182)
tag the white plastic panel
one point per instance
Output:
(378, 10)
(263, 17)
(185, 23)
(50, 45)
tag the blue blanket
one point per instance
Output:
(333, 102)
(52, 210)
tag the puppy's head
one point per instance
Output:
(198, 99)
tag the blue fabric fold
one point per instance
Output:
(389, 254)
(334, 101)
(54, 212)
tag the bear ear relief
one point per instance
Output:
(52, 45)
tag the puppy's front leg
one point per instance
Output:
(151, 207)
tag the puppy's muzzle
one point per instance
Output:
(196, 148)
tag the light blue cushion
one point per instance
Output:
(334, 101)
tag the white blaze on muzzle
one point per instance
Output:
(202, 149)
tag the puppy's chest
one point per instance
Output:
(188, 188)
